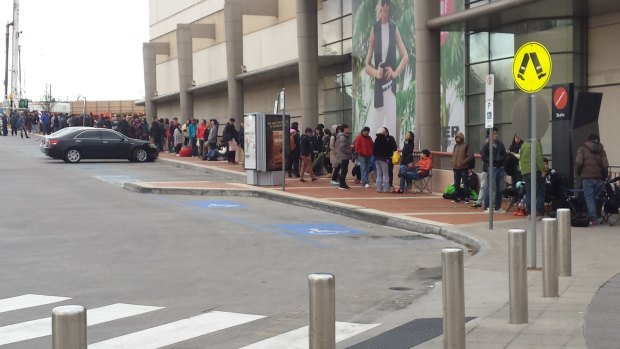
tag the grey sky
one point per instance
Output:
(88, 48)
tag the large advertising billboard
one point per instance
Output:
(383, 65)
(384, 88)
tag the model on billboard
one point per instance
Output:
(381, 65)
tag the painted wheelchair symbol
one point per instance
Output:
(317, 231)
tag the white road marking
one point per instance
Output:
(298, 339)
(43, 327)
(178, 331)
(27, 301)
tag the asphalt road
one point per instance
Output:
(72, 231)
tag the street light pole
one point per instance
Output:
(84, 113)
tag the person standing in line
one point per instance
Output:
(499, 157)
(512, 160)
(461, 159)
(191, 135)
(178, 139)
(155, 131)
(5, 126)
(293, 169)
(591, 166)
(382, 152)
(364, 148)
(525, 163)
(21, 125)
(240, 154)
(333, 152)
(483, 185)
(200, 134)
(344, 154)
(305, 151)
(212, 140)
(393, 148)
(406, 156)
(229, 136)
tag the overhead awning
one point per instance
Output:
(497, 14)
(259, 76)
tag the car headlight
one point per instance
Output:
(152, 146)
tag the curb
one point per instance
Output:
(350, 211)
(240, 176)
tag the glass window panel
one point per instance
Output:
(476, 75)
(333, 49)
(332, 81)
(478, 47)
(347, 27)
(563, 69)
(503, 74)
(332, 31)
(474, 137)
(502, 45)
(475, 109)
(346, 97)
(333, 99)
(347, 117)
(332, 9)
(334, 118)
(503, 103)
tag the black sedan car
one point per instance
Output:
(73, 144)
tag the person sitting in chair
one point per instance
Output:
(415, 172)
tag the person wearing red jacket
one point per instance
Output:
(363, 147)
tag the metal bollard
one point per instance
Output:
(453, 298)
(550, 258)
(517, 266)
(322, 327)
(69, 327)
(564, 234)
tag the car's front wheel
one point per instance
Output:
(73, 155)
(140, 155)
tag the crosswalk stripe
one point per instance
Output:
(177, 331)
(43, 327)
(27, 301)
(298, 339)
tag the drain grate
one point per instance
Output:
(406, 336)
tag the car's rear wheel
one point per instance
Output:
(140, 155)
(73, 155)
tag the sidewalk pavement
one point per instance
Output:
(585, 315)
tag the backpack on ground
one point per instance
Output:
(580, 220)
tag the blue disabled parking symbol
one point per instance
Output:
(217, 204)
(320, 229)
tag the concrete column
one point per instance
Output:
(233, 26)
(428, 114)
(184, 52)
(150, 78)
(307, 47)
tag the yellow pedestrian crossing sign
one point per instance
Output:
(531, 68)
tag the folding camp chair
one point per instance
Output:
(424, 184)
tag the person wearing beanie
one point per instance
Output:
(363, 147)
(461, 160)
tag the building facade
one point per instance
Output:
(223, 58)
